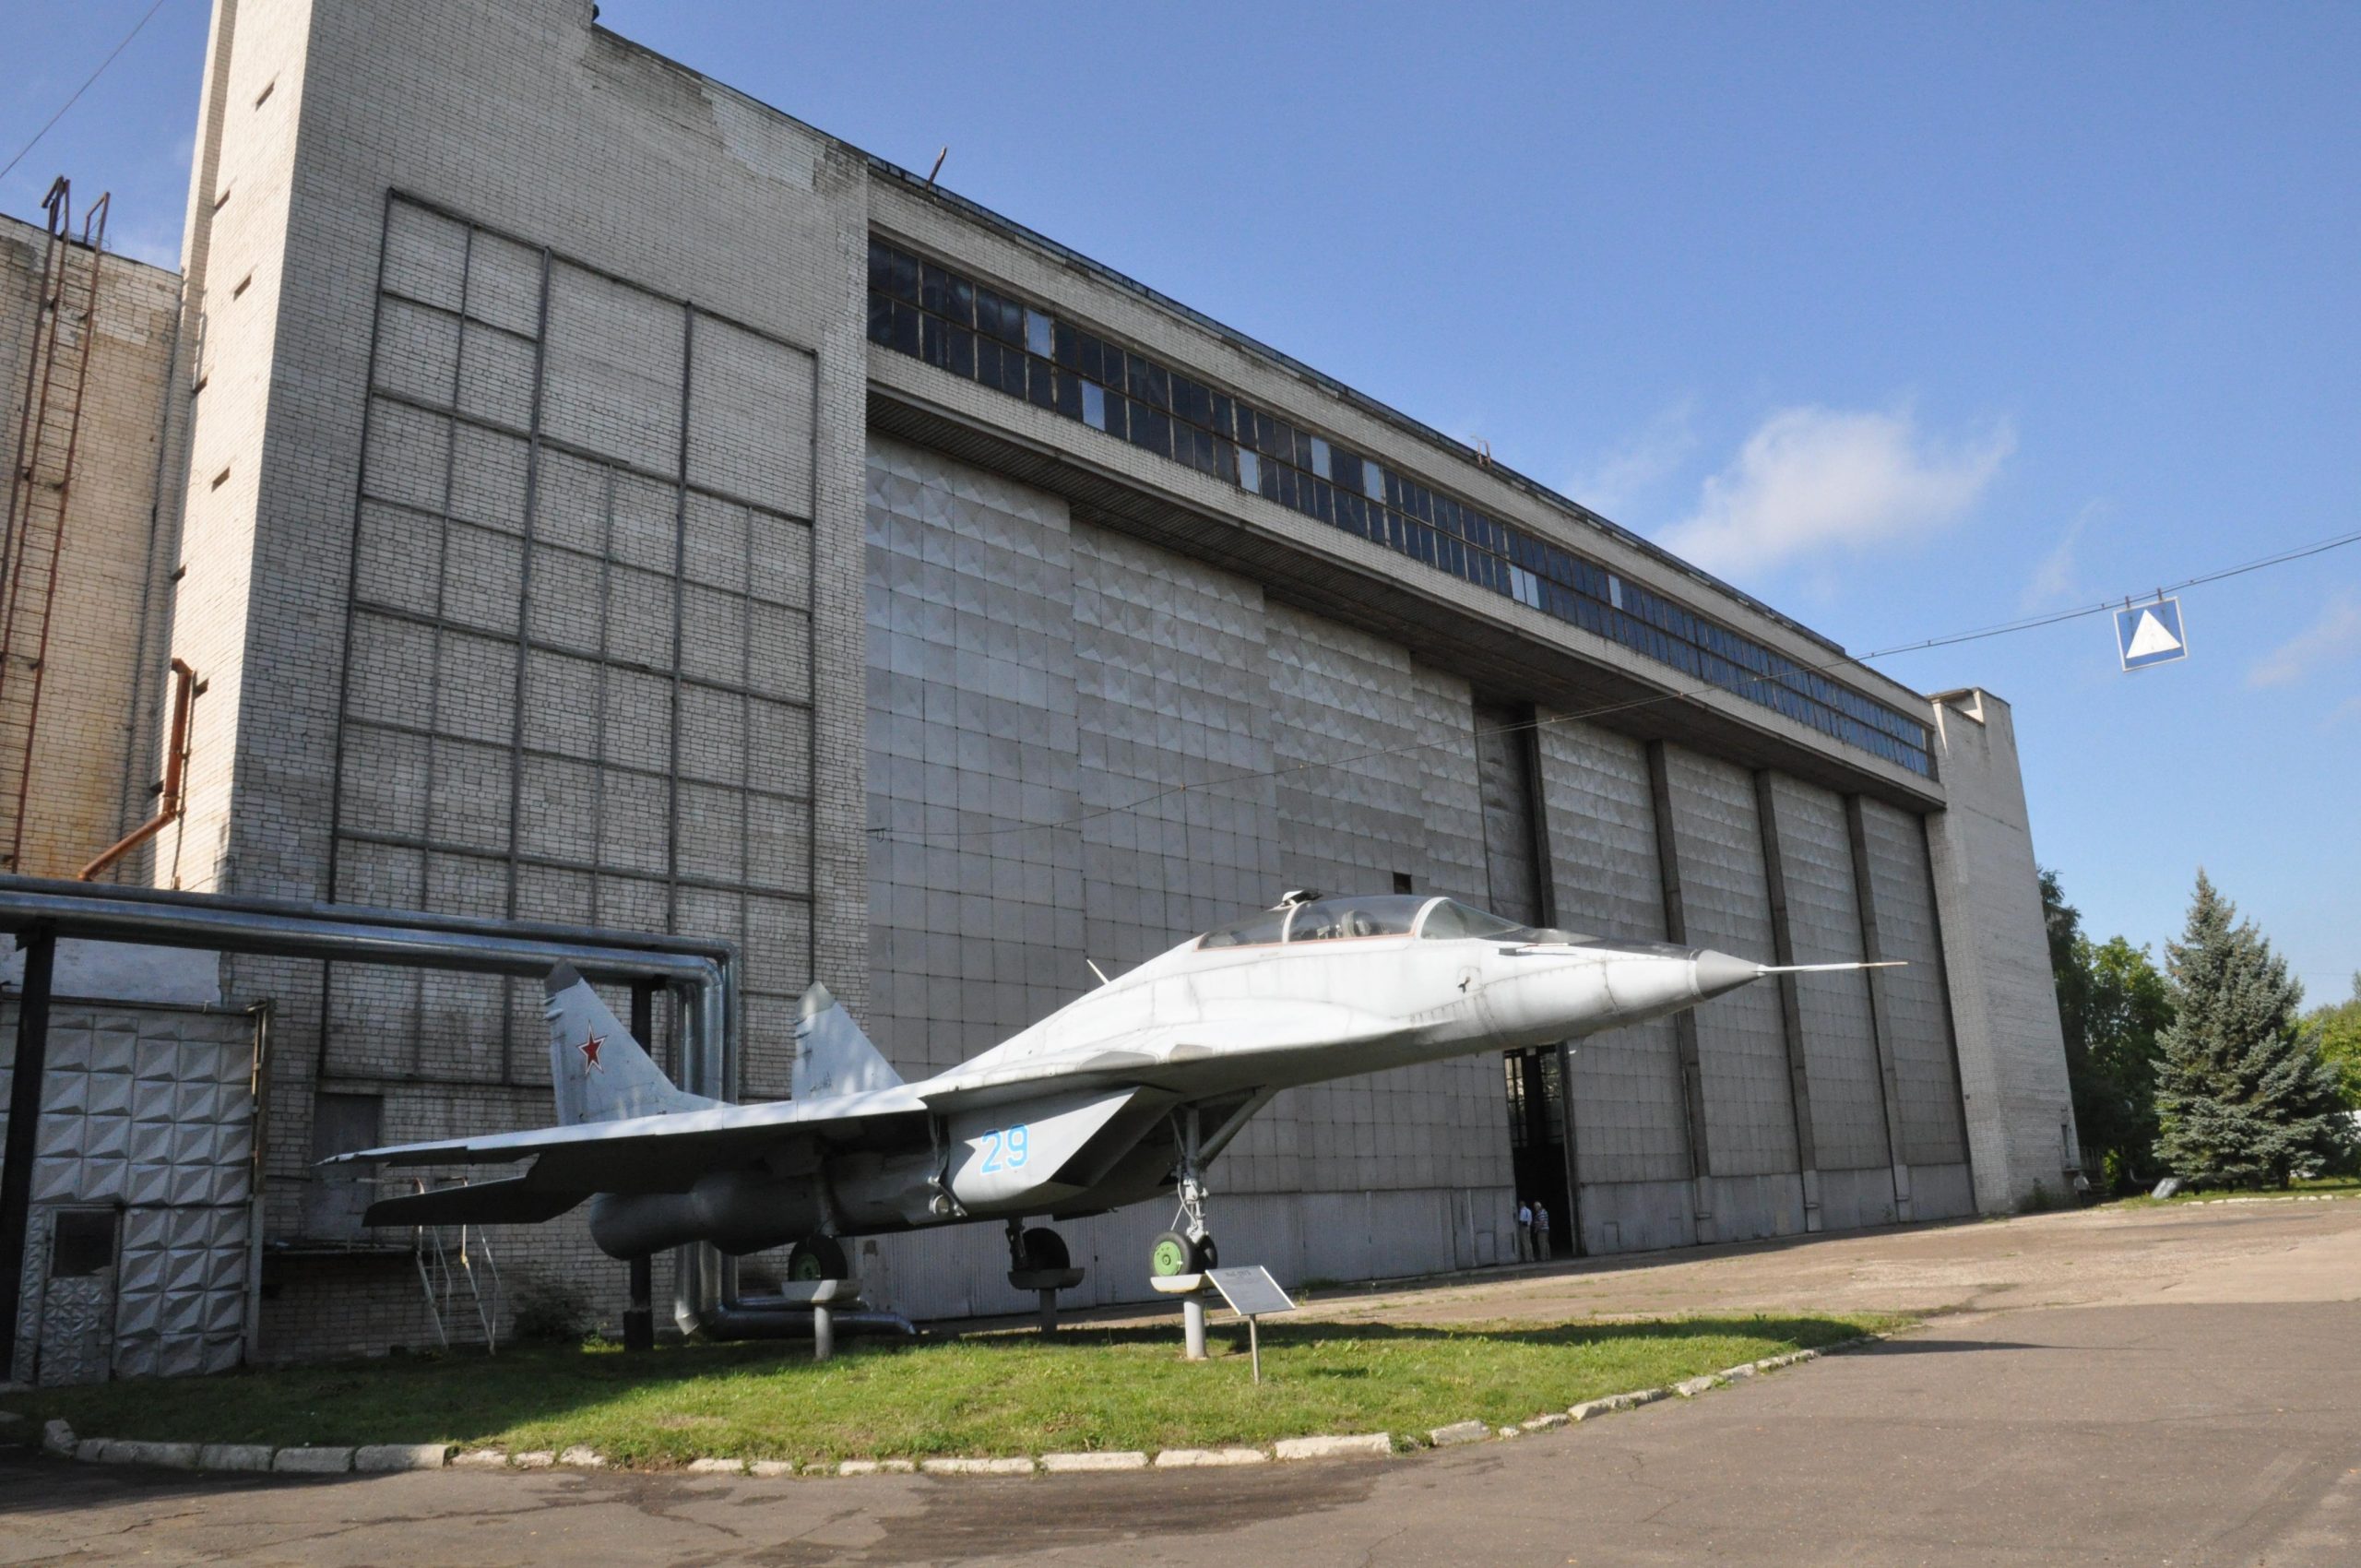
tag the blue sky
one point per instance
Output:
(1908, 319)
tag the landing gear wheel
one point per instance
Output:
(1045, 1249)
(817, 1258)
(1172, 1254)
(1209, 1257)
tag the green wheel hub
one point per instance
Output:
(1169, 1256)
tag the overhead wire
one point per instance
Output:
(2006, 628)
(122, 43)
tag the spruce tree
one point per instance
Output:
(2243, 1093)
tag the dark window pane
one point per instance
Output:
(1068, 347)
(934, 289)
(1118, 424)
(1069, 394)
(1191, 402)
(988, 361)
(1151, 430)
(1012, 372)
(1323, 501)
(1221, 414)
(1344, 467)
(881, 317)
(1301, 457)
(963, 352)
(906, 328)
(1040, 382)
(1088, 360)
(894, 272)
(1225, 461)
(934, 346)
(1004, 319)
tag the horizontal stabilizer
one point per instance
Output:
(515, 1200)
(832, 1056)
(1833, 969)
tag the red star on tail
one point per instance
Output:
(589, 1049)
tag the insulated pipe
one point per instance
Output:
(167, 805)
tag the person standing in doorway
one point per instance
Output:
(1524, 1232)
(1540, 1233)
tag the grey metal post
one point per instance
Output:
(1254, 1347)
(24, 1123)
(823, 1331)
(1192, 1326)
(640, 1312)
(1049, 1311)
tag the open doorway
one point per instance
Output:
(1536, 1140)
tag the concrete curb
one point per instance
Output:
(1376, 1444)
(1208, 1458)
(1080, 1463)
(58, 1438)
(976, 1467)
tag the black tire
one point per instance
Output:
(1044, 1248)
(1208, 1256)
(816, 1258)
(1172, 1253)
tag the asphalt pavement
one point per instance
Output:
(2202, 1406)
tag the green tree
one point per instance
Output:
(2112, 1005)
(2242, 1091)
(2338, 1028)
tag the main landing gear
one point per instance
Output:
(1188, 1247)
(816, 1258)
(1040, 1250)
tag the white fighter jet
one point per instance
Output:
(1132, 1090)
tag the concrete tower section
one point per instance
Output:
(610, 500)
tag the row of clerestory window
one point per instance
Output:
(982, 334)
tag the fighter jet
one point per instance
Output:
(1129, 1091)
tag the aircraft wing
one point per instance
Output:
(666, 1152)
(1158, 1055)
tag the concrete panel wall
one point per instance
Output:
(1033, 680)
(1630, 1137)
(1925, 1065)
(977, 912)
(1839, 1035)
(1741, 1040)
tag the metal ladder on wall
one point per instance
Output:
(460, 1274)
(48, 429)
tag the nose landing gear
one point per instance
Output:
(1188, 1247)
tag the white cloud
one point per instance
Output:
(2336, 636)
(2054, 577)
(1622, 475)
(1812, 479)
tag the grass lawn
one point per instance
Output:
(2314, 1187)
(989, 1394)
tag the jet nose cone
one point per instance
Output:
(1718, 972)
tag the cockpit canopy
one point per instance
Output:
(1376, 914)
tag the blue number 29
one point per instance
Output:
(1004, 1150)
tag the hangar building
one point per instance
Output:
(587, 493)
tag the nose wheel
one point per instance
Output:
(1188, 1247)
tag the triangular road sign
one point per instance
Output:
(2151, 634)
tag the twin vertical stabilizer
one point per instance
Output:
(599, 1071)
(832, 1056)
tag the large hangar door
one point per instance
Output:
(137, 1243)
(1517, 865)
